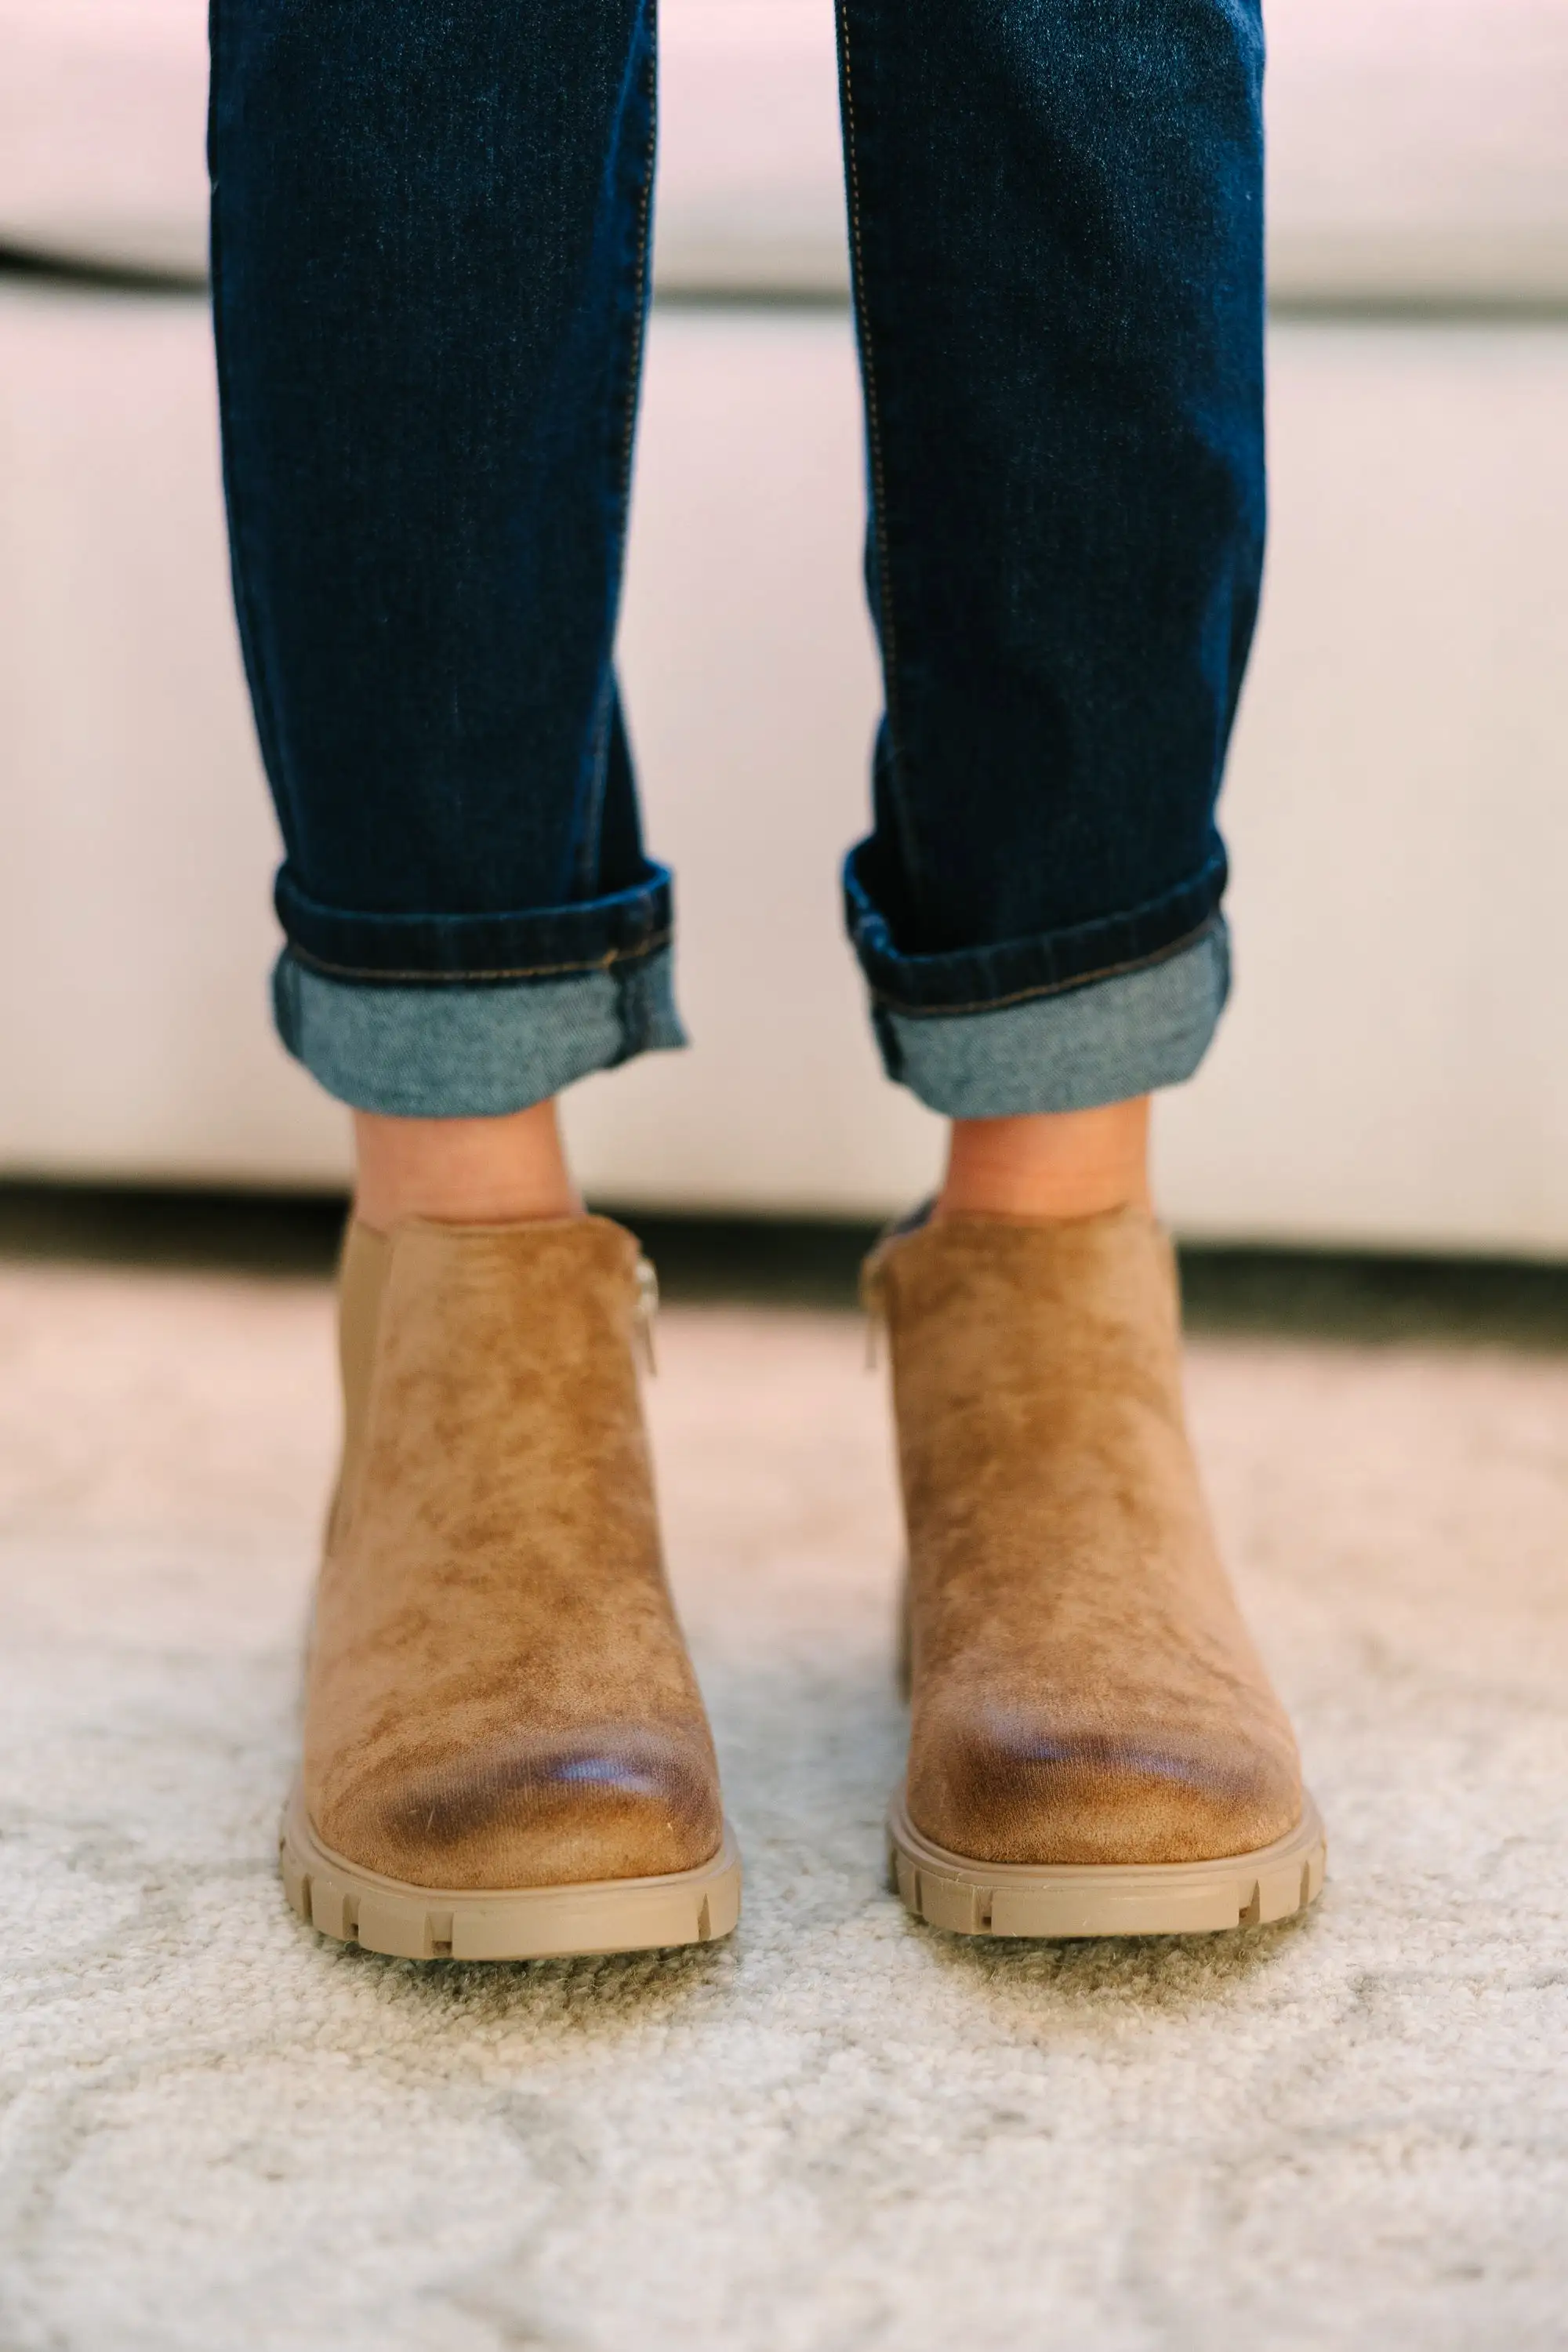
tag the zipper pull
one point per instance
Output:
(647, 1307)
(874, 1276)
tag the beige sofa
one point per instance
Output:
(1394, 1069)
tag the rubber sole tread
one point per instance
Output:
(969, 1898)
(354, 1906)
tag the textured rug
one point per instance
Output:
(841, 2131)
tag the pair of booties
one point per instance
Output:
(506, 1753)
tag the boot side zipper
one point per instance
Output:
(647, 1309)
(874, 1301)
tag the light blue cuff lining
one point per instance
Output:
(447, 1050)
(1072, 1050)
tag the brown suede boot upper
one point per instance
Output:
(1083, 1688)
(499, 1694)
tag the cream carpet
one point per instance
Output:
(841, 2132)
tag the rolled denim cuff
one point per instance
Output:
(450, 1050)
(539, 943)
(1066, 1021)
(1103, 1041)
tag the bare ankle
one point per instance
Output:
(1049, 1164)
(462, 1171)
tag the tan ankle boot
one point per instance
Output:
(506, 1755)
(1094, 1747)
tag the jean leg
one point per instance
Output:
(1055, 217)
(430, 238)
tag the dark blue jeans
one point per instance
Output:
(430, 238)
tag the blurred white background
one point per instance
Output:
(1393, 1071)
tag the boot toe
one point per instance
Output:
(527, 1809)
(1005, 1788)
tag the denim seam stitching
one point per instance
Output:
(645, 195)
(605, 963)
(599, 769)
(258, 669)
(588, 852)
(873, 418)
(1050, 987)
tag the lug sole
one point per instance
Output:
(967, 1897)
(354, 1905)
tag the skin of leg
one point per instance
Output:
(498, 1171)
(1075, 1164)
(462, 1171)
